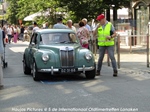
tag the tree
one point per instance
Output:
(90, 8)
(82, 8)
(19, 9)
(75, 10)
(12, 11)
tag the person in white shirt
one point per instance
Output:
(9, 33)
(69, 24)
(35, 27)
(59, 24)
(26, 36)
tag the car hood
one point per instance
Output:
(59, 47)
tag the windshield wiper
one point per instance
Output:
(71, 42)
(67, 42)
(62, 42)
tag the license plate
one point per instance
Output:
(67, 70)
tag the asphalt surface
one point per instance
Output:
(129, 92)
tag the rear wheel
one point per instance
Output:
(26, 69)
(35, 73)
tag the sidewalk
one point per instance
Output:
(133, 64)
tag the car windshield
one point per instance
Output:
(54, 38)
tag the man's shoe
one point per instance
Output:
(115, 73)
(98, 73)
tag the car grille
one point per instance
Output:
(67, 58)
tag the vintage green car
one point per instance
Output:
(57, 51)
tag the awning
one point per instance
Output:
(46, 13)
(31, 17)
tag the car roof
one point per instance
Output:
(55, 31)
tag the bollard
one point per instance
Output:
(95, 48)
(130, 44)
(148, 50)
(118, 51)
(148, 44)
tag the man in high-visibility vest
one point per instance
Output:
(105, 35)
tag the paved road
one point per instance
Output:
(129, 91)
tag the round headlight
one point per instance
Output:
(45, 57)
(88, 56)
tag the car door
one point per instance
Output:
(33, 47)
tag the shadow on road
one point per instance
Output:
(49, 79)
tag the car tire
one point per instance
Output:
(26, 69)
(35, 73)
(91, 74)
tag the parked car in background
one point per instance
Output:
(57, 51)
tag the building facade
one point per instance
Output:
(141, 17)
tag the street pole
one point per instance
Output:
(1, 72)
(1, 67)
(118, 51)
(148, 44)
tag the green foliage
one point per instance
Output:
(19, 9)
(82, 8)
(12, 11)
(73, 9)
(117, 3)
(90, 8)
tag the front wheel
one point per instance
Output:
(90, 74)
(35, 73)
(26, 69)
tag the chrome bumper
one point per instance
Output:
(80, 69)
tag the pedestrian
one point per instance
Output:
(2, 36)
(59, 24)
(83, 35)
(21, 32)
(15, 34)
(35, 28)
(18, 32)
(4, 33)
(106, 34)
(26, 35)
(70, 25)
(12, 27)
(86, 25)
(9, 33)
(46, 25)
(90, 31)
